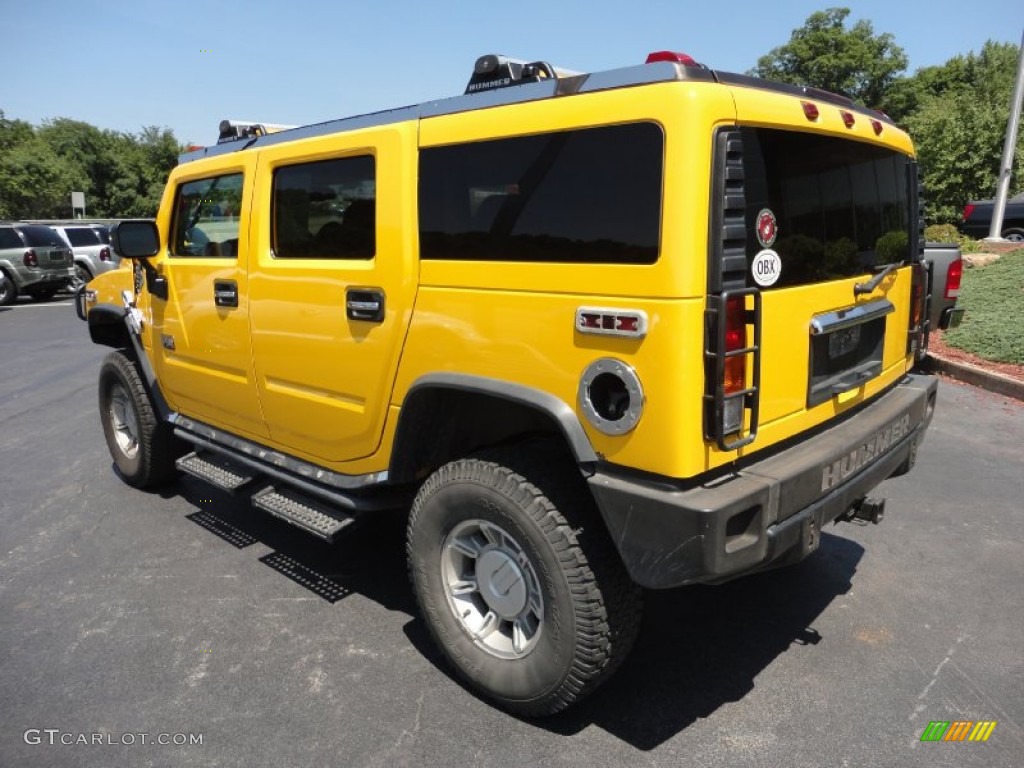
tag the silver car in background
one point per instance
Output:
(92, 252)
(35, 259)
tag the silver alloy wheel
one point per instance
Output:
(122, 419)
(492, 589)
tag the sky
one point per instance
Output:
(186, 65)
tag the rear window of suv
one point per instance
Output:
(39, 237)
(83, 236)
(841, 207)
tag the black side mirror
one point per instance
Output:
(135, 239)
(139, 239)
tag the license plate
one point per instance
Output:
(57, 258)
(843, 341)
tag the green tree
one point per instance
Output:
(823, 53)
(957, 113)
(36, 182)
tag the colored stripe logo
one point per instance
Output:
(958, 730)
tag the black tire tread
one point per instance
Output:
(607, 604)
(158, 448)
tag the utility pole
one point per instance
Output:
(1006, 167)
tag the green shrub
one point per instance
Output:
(993, 297)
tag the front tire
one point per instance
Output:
(517, 579)
(143, 448)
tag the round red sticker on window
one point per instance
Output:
(767, 228)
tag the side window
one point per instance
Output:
(206, 217)
(325, 210)
(80, 236)
(9, 238)
(591, 195)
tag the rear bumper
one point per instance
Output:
(769, 512)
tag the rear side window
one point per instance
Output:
(840, 206)
(325, 210)
(41, 237)
(206, 217)
(591, 195)
(9, 238)
(82, 236)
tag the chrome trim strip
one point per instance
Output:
(846, 318)
(273, 458)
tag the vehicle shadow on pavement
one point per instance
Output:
(699, 648)
(368, 558)
(702, 647)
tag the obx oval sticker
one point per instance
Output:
(766, 268)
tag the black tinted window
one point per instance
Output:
(9, 238)
(590, 195)
(206, 217)
(82, 236)
(40, 237)
(325, 209)
(841, 206)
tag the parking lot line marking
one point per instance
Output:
(67, 303)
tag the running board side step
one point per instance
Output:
(302, 512)
(216, 470)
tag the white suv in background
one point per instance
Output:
(92, 252)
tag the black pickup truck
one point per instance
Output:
(978, 218)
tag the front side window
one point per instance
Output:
(325, 209)
(206, 215)
(583, 196)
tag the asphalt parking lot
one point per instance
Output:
(186, 613)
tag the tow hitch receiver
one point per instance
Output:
(867, 509)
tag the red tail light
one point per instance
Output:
(968, 210)
(676, 58)
(876, 126)
(848, 118)
(735, 338)
(30, 258)
(104, 254)
(953, 275)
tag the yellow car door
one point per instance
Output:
(332, 284)
(200, 337)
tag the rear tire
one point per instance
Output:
(43, 294)
(518, 582)
(143, 448)
(82, 277)
(1014, 235)
(8, 292)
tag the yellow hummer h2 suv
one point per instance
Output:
(596, 332)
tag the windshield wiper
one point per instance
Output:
(871, 284)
